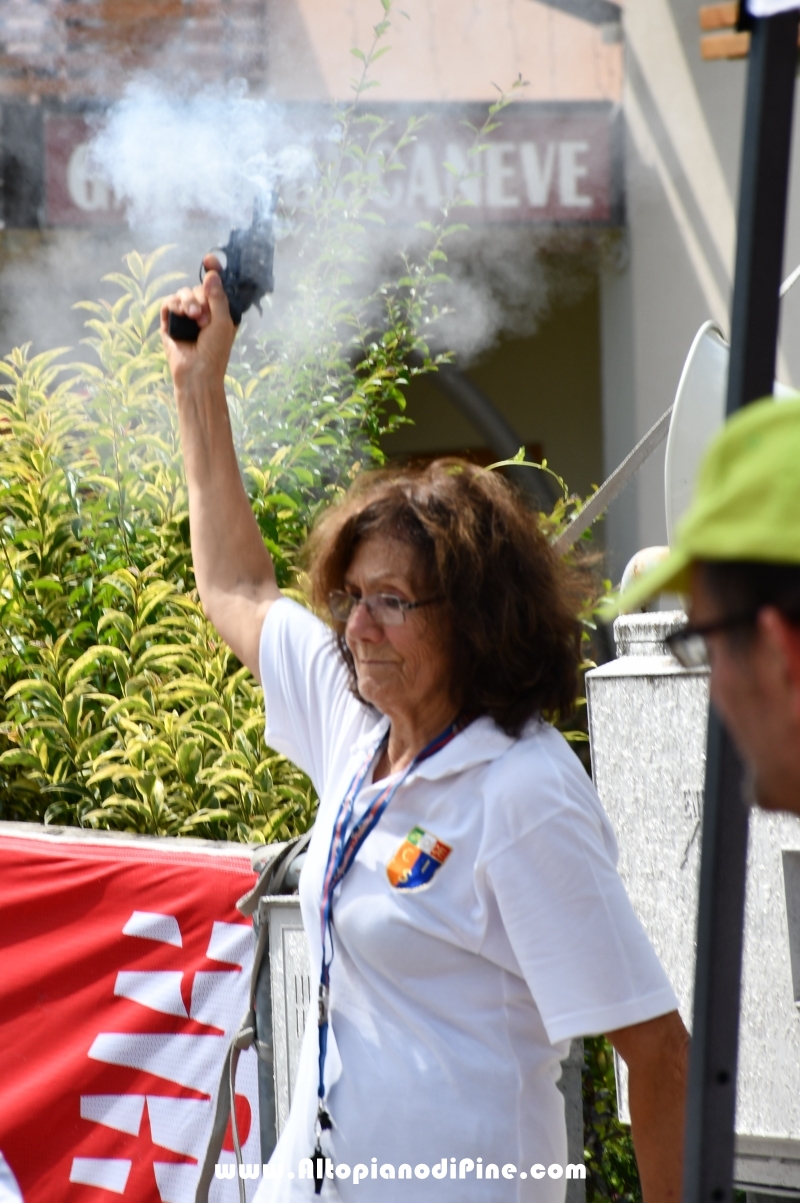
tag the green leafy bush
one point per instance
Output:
(122, 707)
(611, 1171)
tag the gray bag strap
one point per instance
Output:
(271, 881)
(273, 875)
(244, 1038)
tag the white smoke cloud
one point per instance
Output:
(170, 157)
(174, 159)
(187, 167)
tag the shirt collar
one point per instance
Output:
(478, 743)
(373, 735)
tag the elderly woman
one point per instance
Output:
(464, 914)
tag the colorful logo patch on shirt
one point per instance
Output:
(416, 860)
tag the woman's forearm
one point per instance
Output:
(657, 1106)
(656, 1053)
(234, 571)
(228, 550)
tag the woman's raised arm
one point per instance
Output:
(234, 571)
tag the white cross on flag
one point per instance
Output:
(125, 972)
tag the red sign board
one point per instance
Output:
(545, 164)
(74, 194)
(125, 974)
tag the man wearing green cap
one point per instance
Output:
(737, 556)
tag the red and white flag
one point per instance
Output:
(124, 972)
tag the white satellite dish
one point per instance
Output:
(697, 415)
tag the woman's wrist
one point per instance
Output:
(198, 392)
(205, 430)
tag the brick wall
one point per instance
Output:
(77, 50)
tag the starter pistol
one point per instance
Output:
(247, 274)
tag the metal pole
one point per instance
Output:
(763, 190)
(709, 1150)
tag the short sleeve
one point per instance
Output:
(580, 947)
(311, 713)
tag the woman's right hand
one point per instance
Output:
(204, 362)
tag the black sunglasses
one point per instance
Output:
(688, 644)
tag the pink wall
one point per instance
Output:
(448, 50)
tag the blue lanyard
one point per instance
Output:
(341, 855)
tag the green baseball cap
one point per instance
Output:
(746, 504)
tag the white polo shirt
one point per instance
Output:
(451, 1004)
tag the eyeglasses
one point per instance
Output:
(688, 645)
(384, 608)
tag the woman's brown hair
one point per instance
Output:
(508, 602)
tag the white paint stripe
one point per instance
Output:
(123, 1112)
(9, 1187)
(179, 1124)
(168, 844)
(176, 1183)
(152, 926)
(769, 8)
(218, 998)
(109, 1173)
(231, 943)
(159, 990)
(192, 1061)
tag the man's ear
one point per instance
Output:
(784, 638)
